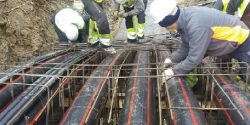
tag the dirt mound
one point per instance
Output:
(25, 28)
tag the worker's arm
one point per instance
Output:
(232, 6)
(181, 53)
(198, 45)
(138, 8)
(219, 5)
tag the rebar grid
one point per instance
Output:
(115, 75)
(114, 68)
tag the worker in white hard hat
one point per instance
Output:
(99, 31)
(204, 32)
(69, 25)
(133, 8)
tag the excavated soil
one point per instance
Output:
(25, 28)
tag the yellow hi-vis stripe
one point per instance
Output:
(92, 28)
(98, 1)
(131, 33)
(105, 36)
(231, 34)
(140, 28)
(242, 8)
(225, 4)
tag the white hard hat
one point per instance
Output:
(72, 32)
(120, 1)
(159, 9)
(78, 5)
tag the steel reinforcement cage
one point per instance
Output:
(220, 97)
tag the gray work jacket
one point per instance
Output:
(206, 31)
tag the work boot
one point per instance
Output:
(141, 39)
(131, 40)
(93, 44)
(110, 50)
(93, 41)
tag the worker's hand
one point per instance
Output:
(115, 13)
(73, 41)
(168, 74)
(167, 63)
(123, 14)
(72, 45)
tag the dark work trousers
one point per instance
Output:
(246, 16)
(97, 14)
(242, 54)
(140, 17)
(82, 37)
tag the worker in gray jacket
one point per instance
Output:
(133, 8)
(204, 32)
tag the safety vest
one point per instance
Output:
(231, 34)
(225, 4)
(98, 1)
(129, 4)
(242, 8)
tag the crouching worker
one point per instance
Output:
(134, 8)
(69, 26)
(204, 32)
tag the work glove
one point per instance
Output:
(110, 50)
(173, 36)
(167, 63)
(116, 13)
(72, 44)
(168, 74)
(123, 14)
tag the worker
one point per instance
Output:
(99, 30)
(239, 8)
(133, 8)
(69, 25)
(204, 32)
